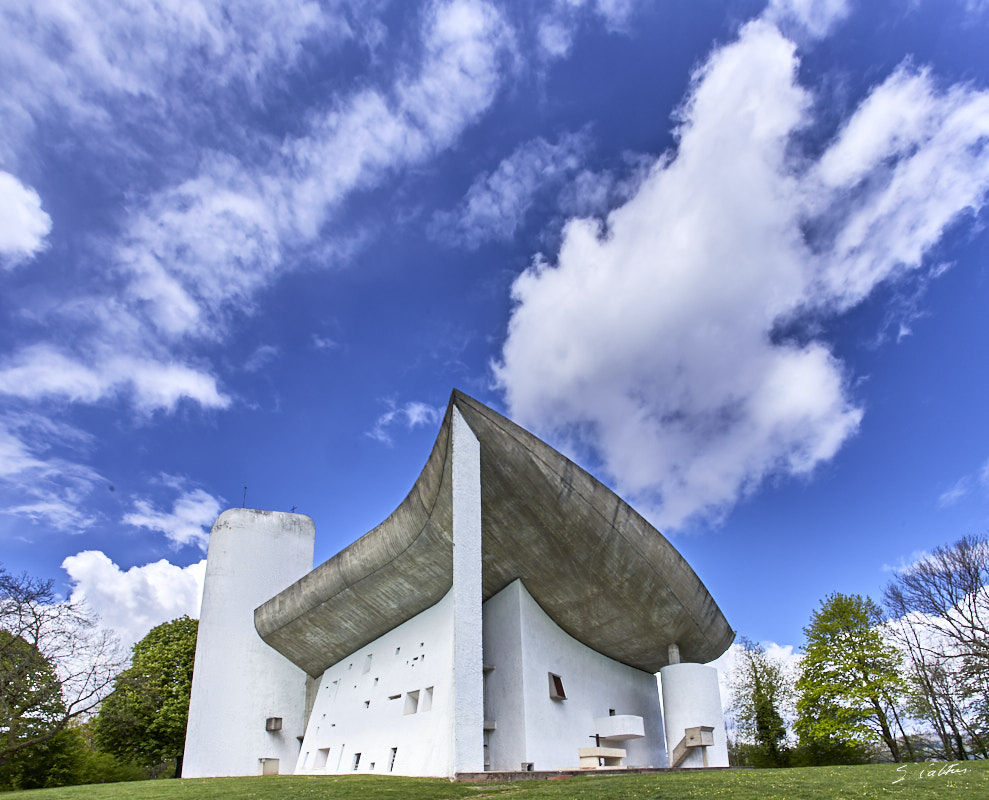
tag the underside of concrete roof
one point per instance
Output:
(604, 574)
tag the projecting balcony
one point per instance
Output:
(620, 727)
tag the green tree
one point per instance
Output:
(849, 680)
(761, 691)
(144, 720)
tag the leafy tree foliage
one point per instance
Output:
(66, 759)
(761, 694)
(849, 680)
(144, 720)
(55, 663)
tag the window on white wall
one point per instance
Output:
(556, 690)
(322, 755)
(427, 699)
(391, 759)
(367, 664)
(411, 702)
(357, 760)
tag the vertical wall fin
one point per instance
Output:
(468, 680)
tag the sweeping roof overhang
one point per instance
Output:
(600, 571)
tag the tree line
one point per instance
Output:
(73, 709)
(904, 680)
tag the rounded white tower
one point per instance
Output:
(692, 701)
(248, 701)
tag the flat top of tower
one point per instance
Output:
(597, 567)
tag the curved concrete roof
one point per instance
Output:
(603, 573)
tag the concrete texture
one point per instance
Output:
(594, 565)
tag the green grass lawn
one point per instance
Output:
(812, 783)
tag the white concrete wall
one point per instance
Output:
(524, 646)
(691, 697)
(467, 624)
(238, 680)
(353, 713)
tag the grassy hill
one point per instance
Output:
(922, 781)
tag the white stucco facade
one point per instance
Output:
(392, 702)
(238, 681)
(523, 647)
(511, 614)
(691, 698)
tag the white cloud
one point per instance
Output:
(984, 476)
(263, 355)
(655, 340)
(36, 484)
(24, 225)
(203, 249)
(81, 59)
(783, 654)
(816, 17)
(496, 204)
(131, 602)
(908, 563)
(41, 371)
(954, 493)
(412, 414)
(189, 521)
(324, 342)
(558, 26)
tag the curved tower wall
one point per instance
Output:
(690, 698)
(238, 681)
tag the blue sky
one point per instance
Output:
(729, 256)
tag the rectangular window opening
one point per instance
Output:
(322, 755)
(411, 702)
(357, 760)
(391, 759)
(556, 687)
(367, 664)
(427, 699)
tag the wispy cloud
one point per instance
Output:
(410, 415)
(558, 25)
(672, 340)
(954, 493)
(263, 355)
(187, 523)
(496, 203)
(815, 17)
(36, 482)
(198, 252)
(905, 564)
